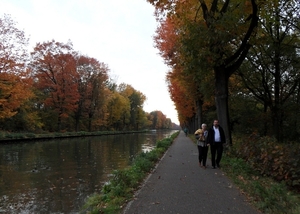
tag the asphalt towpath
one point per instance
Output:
(179, 185)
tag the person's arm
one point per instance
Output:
(208, 141)
(222, 133)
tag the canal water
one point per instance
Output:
(56, 176)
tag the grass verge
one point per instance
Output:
(123, 184)
(264, 193)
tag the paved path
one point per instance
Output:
(180, 186)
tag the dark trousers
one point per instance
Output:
(202, 154)
(217, 148)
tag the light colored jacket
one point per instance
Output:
(201, 137)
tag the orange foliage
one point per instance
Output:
(182, 98)
(14, 91)
(54, 67)
(92, 89)
(166, 40)
(159, 120)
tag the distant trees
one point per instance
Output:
(159, 120)
(55, 88)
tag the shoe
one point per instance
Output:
(213, 167)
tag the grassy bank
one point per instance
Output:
(121, 187)
(266, 194)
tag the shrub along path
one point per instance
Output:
(178, 185)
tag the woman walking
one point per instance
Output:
(201, 135)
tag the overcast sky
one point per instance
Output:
(116, 32)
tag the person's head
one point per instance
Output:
(216, 123)
(204, 126)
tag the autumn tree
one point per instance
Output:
(15, 82)
(214, 36)
(92, 86)
(159, 120)
(136, 100)
(271, 71)
(13, 51)
(194, 88)
(167, 41)
(182, 98)
(54, 67)
(118, 110)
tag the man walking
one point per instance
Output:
(216, 139)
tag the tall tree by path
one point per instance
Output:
(271, 71)
(224, 30)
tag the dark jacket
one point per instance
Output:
(211, 136)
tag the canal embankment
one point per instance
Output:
(24, 136)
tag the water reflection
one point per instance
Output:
(58, 175)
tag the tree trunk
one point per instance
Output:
(297, 126)
(59, 122)
(90, 122)
(221, 99)
(195, 123)
(76, 123)
(77, 117)
(199, 119)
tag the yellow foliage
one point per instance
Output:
(118, 108)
